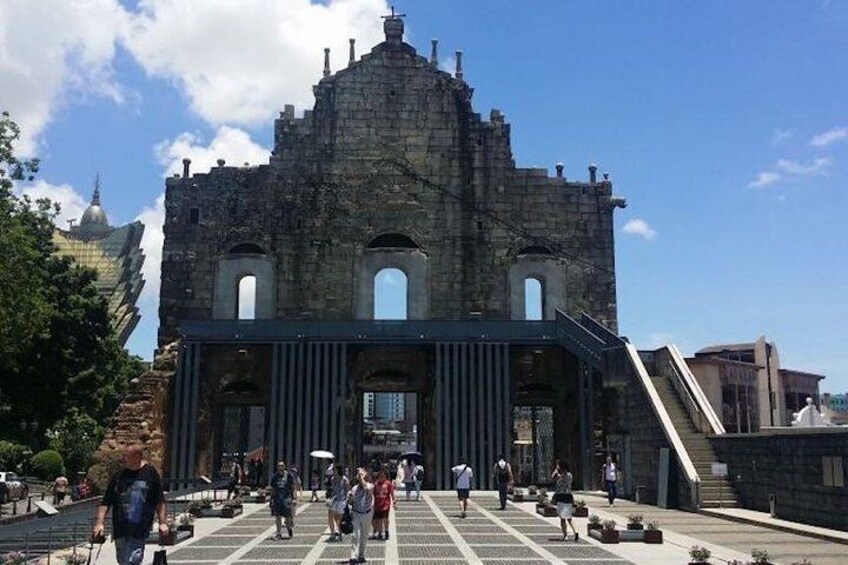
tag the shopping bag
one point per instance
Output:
(160, 557)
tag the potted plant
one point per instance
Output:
(594, 524)
(761, 557)
(517, 495)
(185, 523)
(532, 490)
(231, 509)
(74, 559)
(653, 533)
(196, 508)
(608, 533)
(13, 558)
(580, 508)
(542, 497)
(634, 521)
(698, 554)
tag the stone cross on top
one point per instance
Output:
(393, 27)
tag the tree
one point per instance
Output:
(57, 348)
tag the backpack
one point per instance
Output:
(419, 473)
(502, 474)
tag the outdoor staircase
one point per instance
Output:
(715, 491)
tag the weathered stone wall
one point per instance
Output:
(142, 417)
(788, 464)
(392, 146)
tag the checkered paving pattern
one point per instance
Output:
(427, 532)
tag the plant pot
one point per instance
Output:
(605, 536)
(230, 511)
(548, 511)
(653, 536)
(635, 527)
(186, 528)
(581, 512)
(590, 527)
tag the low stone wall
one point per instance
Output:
(787, 463)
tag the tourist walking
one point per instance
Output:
(408, 474)
(336, 502)
(236, 477)
(463, 474)
(361, 499)
(502, 476)
(314, 485)
(564, 498)
(298, 484)
(283, 487)
(134, 494)
(609, 475)
(60, 489)
(384, 501)
(419, 480)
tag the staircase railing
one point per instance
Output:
(699, 407)
(667, 425)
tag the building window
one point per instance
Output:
(533, 299)
(833, 473)
(390, 295)
(194, 216)
(246, 306)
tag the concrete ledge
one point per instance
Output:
(754, 518)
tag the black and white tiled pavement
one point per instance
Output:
(427, 532)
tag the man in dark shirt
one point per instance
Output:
(282, 498)
(134, 494)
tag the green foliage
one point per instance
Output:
(47, 465)
(699, 554)
(761, 556)
(13, 456)
(75, 437)
(57, 347)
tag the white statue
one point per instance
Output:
(809, 417)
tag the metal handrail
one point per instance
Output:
(686, 396)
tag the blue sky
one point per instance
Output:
(723, 123)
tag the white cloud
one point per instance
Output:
(51, 50)
(831, 136)
(815, 167)
(231, 144)
(639, 227)
(153, 218)
(778, 136)
(241, 62)
(764, 179)
(72, 203)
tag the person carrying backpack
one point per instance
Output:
(502, 476)
(463, 473)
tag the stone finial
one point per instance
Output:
(326, 61)
(288, 111)
(559, 168)
(606, 177)
(95, 197)
(434, 52)
(393, 28)
(458, 74)
(593, 173)
(186, 165)
(352, 58)
(221, 162)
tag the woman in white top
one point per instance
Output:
(564, 498)
(361, 499)
(463, 473)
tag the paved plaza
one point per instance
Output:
(430, 532)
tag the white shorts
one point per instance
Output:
(337, 507)
(564, 510)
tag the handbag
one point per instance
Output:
(346, 525)
(160, 557)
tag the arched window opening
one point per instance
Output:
(390, 295)
(247, 248)
(392, 240)
(246, 306)
(532, 299)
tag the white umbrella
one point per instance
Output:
(321, 454)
